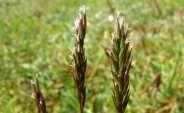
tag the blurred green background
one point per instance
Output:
(37, 36)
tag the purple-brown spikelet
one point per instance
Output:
(79, 60)
(120, 56)
(38, 96)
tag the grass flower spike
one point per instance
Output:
(120, 55)
(79, 60)
(38, 96)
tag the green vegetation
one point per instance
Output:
(37, 37)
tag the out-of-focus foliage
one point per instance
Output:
(36, 37)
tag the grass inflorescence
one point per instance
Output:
(79, 60)
(120, 55)
(38, 96)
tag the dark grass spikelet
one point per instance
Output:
(38, 96)
(79, 60)
(120, 55)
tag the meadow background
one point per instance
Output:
(37, 37)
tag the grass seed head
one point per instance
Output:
(121, 58)
(79, 60)
(38, 96)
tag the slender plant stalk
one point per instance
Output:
(157, 5)
(79, 60)
(120, 55)
(110, 5)
(38, 96)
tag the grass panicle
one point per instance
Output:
(39, 98)
(79, 60)
(120, 55)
